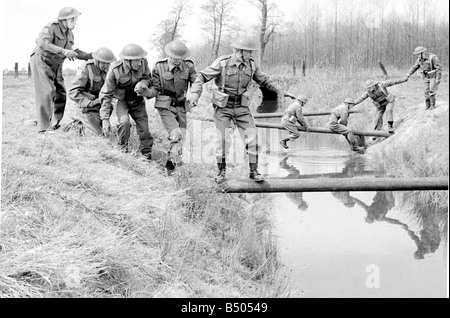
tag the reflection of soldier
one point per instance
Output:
(85, 88)
(294, 173)
(345, 198)
(430, 237)
(431, 71)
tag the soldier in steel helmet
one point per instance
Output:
(431, 71)
(382, 99)
(125, 77)
(233, 74)
(171, 78)
(337, 122)
(85, 88)
(293, 115)
(54, 44)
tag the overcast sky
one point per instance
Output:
(114, 23)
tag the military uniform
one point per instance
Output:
(170, 84)
(383, 101)
(120, 83)
(295, 109)
(46, 66)
(337, 122)
(233, 78)
(431, 70)
(84, 91)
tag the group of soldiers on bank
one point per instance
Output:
(128, 82)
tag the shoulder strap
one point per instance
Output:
(91, 75)
(160, 71)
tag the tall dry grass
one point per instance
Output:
(80, 218)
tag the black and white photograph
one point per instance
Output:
(230, 154)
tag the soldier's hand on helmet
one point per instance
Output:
(193, 99)
(71, 55)
(106, 127)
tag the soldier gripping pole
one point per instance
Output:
(333, 185)
(374, 133)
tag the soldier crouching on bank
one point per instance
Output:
(126, 76)
(85, 88)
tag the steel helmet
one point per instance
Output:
(369, 83)
(419, 49)
(67, 13)
(245, 43)
(349, 100)
(132, 52)
(177, 50)
(302, 98)
(104, 54)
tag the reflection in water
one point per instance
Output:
(294, 173)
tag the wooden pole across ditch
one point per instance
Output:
(374, 133)
(306, 114)
(333, 185)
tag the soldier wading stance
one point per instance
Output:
(232, 74)
(85, 88)
(124, 78)
(431, 72)
(171, 78)
(292, 115)
(382, 99)
(54, 44)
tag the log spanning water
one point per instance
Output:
(321, 130)
(306, 114)
(333, 185)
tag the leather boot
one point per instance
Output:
(283, 143)
(427, 104)
(432, 102)
(221, 175)
(254, 174)
(391, 127)
(169, 167)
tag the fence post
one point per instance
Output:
(304, 68)
(16, 70)
(383, 69)
(29, 70)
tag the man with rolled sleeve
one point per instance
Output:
(171, 78)
(85, 88)
(124, 79)
(431, 70)
(233, 74)
(54, 44)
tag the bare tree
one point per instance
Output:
(170, 29)
(268, 28)
(218, 18)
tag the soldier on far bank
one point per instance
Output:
(233, 74)
(171, 78)
(293, 115)
(431, 71)
(337, 122)
(85, 88)
(54, 44)
(125, 77)
(382, 99)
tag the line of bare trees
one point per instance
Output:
(332, 33)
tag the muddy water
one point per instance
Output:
(353, 244)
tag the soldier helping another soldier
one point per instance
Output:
(126, 76)
(85, 88)
(233, 74)
(54, 44)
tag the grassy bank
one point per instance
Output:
(79, 218)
